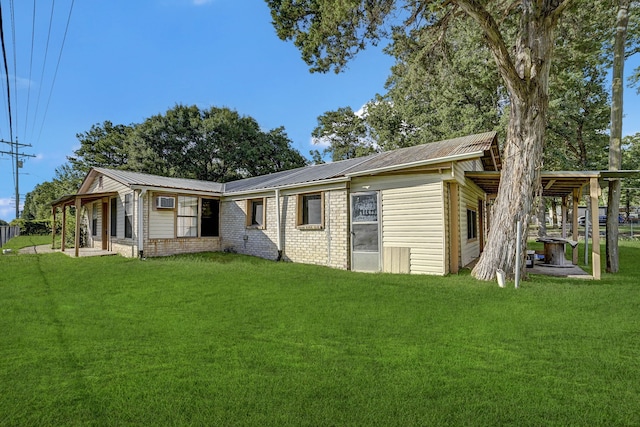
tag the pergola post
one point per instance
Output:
(595, 227)
(563, 212)
(78, 208)
(574, 223)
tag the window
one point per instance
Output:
(187, 216)
(210, 218)
(256, 213)
(94, 220)
(472, 224)
(114, 216)
(310, 210)
(128, 216)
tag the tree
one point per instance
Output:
(217, 144)
(104, 145)
(615, 144)
(345, 132)
(331, 32)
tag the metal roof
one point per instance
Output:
(147, 180)
(481, 145)
(554, 183)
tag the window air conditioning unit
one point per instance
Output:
(163, 202)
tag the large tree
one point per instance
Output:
(217, 144)
(615, 144)
(330, 32)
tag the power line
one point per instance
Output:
(33, 36)
(55, 74)
(44, 62)
(6, 71)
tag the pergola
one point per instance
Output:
(77, 200)
(569, 185)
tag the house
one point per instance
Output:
(409, 210)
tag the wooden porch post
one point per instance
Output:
(595, 227)
(574, 223)
(53, 227)
(63, 236)
(78, 208)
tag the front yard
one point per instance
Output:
(222, 339)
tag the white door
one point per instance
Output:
(365, 232)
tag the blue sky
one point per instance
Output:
(126, 60)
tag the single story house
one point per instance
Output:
(409, 210)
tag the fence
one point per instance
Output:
(7, 232)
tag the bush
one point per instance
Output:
(39, 227)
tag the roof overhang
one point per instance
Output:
(554, 184)
(71, 199)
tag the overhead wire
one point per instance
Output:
(33, 36)
(44, 62)
(6, 72)
(16, 108)
(55, 74)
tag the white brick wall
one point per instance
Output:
(326, 246)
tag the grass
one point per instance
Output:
(223, 339)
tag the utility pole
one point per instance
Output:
(17, 157)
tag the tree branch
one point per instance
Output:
(496, 42)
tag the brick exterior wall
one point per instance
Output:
(324, 246)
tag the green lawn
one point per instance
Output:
(226, 340)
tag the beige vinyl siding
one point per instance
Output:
(414, 217)
(108, 185)
(161, 224)
(470, 194)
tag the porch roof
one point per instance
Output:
(554, 183)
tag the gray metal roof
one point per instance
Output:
(404, 157)
(389, 160)
(395, 159)
(306, 174)
(147, 180)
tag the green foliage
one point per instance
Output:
(33, 227)
(345, 132)
(217, 144)
(221, 339)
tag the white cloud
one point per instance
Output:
(7, 209)
(320, 142)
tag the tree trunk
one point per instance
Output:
(542, 217)
(615, 142)
(528, 94)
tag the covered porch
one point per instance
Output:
(79, 201)
(570, 186)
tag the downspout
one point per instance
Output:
(278, 225)
(141, 194)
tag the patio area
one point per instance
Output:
(71, 252)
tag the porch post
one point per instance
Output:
(53, 227)
(574, 223)
(595, 227)
(454, 229)
(63, 236)
(78, 208)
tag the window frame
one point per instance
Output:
(195, 217)
(128, 216)
(472, 223)
(113, 212)
(202, 218)
(251, 221)
(302, 206)
(94, 219)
